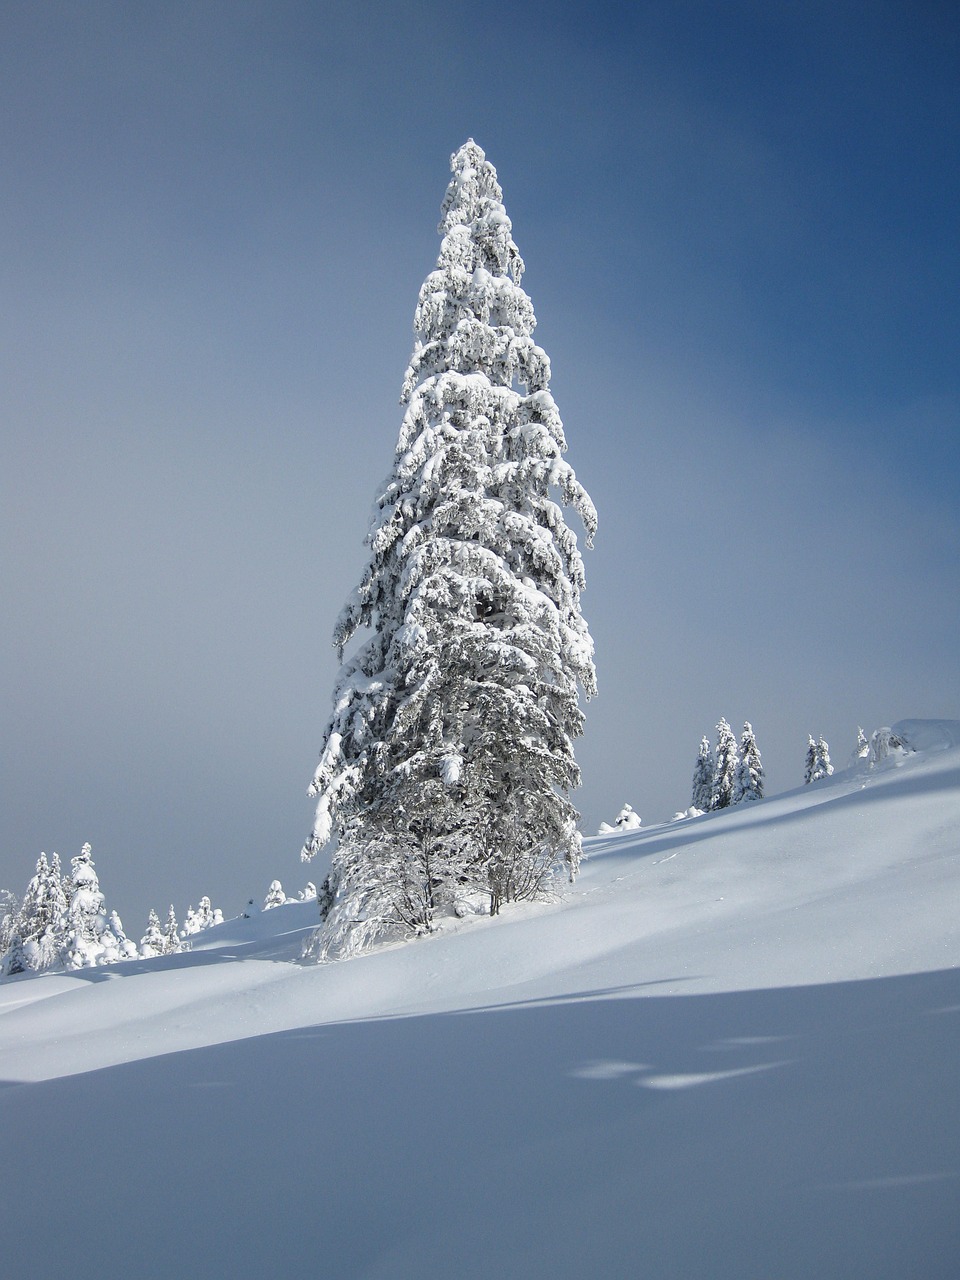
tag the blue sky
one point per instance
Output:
(739, 223)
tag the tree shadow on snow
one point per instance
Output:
(779, 1133)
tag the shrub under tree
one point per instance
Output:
(448, 760)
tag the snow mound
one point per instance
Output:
(727, 1051)
(928, 735)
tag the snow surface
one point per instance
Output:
(729, 1051)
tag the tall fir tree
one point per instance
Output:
(725, 769)
(703, 775)
(448, 759)
(748, 784)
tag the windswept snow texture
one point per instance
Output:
(729, 1051)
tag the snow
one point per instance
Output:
(728, 1051)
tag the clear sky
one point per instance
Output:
(740, 223)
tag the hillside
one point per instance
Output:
(728, 1051)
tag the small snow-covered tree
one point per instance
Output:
(748, 784)
(884, 743)
(160, 939)
(275, 896)
(862, 749)
(308, 893)
(153, 942)
(626, 820)
(172, 942)
(205, 916)
(17, 958)
(469, 682)
(9, 906)
(725, 767)
(703, 777)
(817, 765)
(115, 945)
(40, 921)
(810, 760)
(87, 919)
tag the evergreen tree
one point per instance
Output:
(275, 896)
(703, 777)
(9, 906)
(817, 765)
(152, 943)
(748, 784)
(862, 749)
(171, 935)
(86, 918)
(725, 768)
(884, 743)
(39, 923)
(448, 758)
(810, 762)
(204, 917)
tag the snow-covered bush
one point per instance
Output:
(626, 820)
(469, 682)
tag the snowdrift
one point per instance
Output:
(728, 1051)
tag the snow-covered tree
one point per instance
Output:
(817, 764)
(469, 682)
(748, 784)
(725, 767)
(87, 920)
(115, 945)
(275, 896)
(9, 906)
(205, 916)
(884, 743)
(810, 760)
(172, 942)
(703, 777)
(627, 819)
(862, 749)
(309, 892)
(38, 925)
(153, 942)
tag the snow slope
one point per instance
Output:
(728, 1051)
